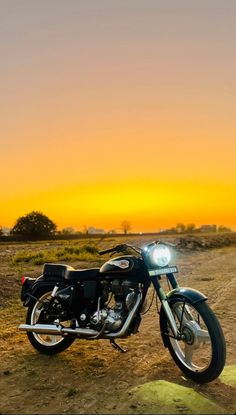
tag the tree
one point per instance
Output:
(34, 224)
(224, 229)
(85, 230)
(1, 231)
(180, 227)
(190, 227)
(125, 226)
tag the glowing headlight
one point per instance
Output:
(161, 255)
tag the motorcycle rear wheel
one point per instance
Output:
(201, 354)
(45, 343)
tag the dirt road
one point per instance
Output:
(91, 377)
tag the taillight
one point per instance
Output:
(23, 280)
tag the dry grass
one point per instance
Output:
(68, 253)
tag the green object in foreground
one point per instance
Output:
(228, 376)
(162, 397)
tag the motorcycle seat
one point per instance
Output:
(55, 270)
(82, 274)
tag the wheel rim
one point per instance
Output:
(195, 350)
(48, 340)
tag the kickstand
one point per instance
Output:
(117, 347)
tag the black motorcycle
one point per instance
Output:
(108, 302)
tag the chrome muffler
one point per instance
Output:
(56, 330)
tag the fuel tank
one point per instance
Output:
(127, 266)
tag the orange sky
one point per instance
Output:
(118, 110)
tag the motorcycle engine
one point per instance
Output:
(125, 295)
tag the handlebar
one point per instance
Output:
(106, 251)
(166, 243)
(120, 248)
(117, 248)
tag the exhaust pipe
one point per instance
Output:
(56, 330)
(123, 331)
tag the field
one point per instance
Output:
(91, 377)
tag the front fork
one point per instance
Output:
(162, 296)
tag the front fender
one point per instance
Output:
(38, 286)
(193, 296)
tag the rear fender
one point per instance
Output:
(38, 286)
(28, 282)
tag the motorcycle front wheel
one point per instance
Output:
(201, 352)
(45, 343)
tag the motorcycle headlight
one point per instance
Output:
(161, 255)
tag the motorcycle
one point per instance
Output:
(65, 304)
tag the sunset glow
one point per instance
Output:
(118, 110)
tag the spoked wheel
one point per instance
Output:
(201, 352)
(45, 343)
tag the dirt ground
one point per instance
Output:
(91, 377)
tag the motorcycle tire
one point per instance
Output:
(201, 355)
(46, 344)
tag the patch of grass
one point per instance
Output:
(67, 253)
(71, 392)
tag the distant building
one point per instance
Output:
(6, 231)
(92, 230)
(208, 228)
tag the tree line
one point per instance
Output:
(37, 225)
